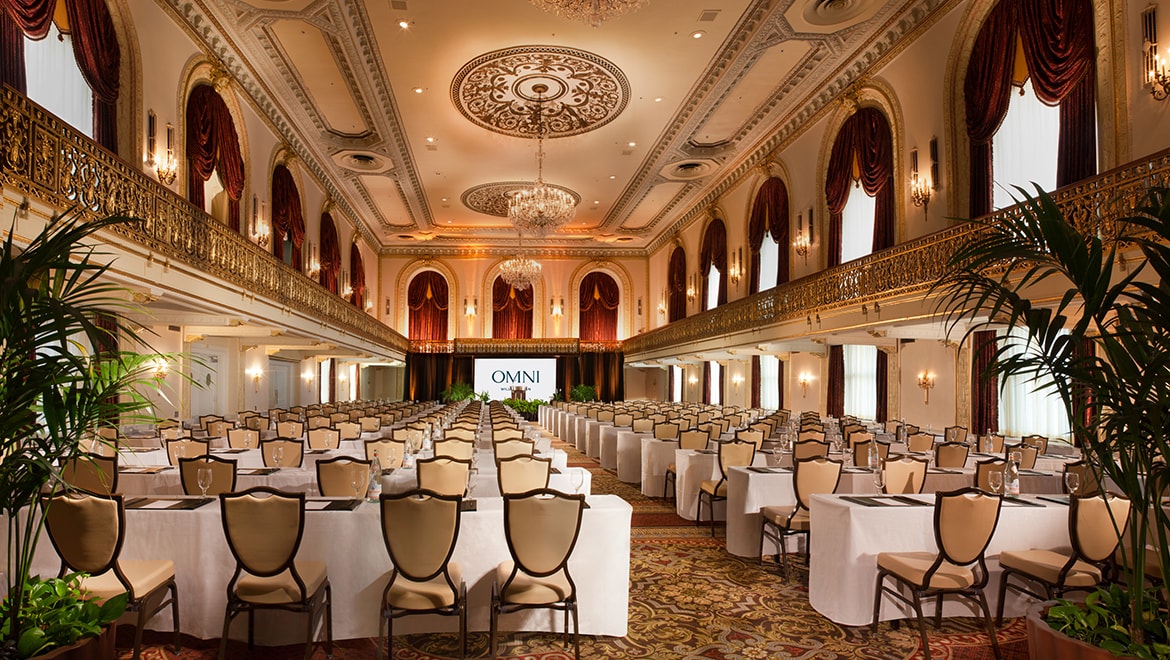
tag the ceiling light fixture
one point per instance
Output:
(520, 271)
(540, 208)
(590, 12)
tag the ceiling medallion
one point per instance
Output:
(590, 12)
(582, 91)
(492, 198)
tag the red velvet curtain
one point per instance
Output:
(769, 215)
(1060, 52)
(511, 311)
(213, 145)
(599, 298)
(984, 386)
(428, 301)
(286, 215)
(835, 407)
(330, 253)
(676, 277)
(882, 386)
(864, 139)
(713, 252)
(11, 52)
(33, 17)
(707, 383)
(357, 276)
(755, 381)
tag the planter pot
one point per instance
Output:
(1045, 642)
(91, 648)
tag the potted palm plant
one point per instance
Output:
(1093, 305)
(63, 374)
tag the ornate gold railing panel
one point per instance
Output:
(473, 346)
(48, 160)
(909, 268)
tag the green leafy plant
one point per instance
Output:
(526, 407)
(483, 396)
(55, 613)
(458, 392)
(1104, 619)
(1097, 330)
(63, 374)
(582, 392)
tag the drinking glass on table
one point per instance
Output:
(357, 477)
(1072, 482)
(995, 481)
(278, 455)
(577, 478)
(203, 478)
(472, 479)
(879, 478)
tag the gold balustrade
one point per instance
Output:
(907, 268)
(46, 159)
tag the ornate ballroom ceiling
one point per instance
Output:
(416, 113)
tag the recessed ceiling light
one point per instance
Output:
(430, 139)
(444, 199)
(404, 24)
(633, 144)
(658, 99)
(612, 177)
(698, 34)
(418, 90)
(597, 201)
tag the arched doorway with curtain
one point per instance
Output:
(861, 217)
(676, 282)
(511, 311)
(357, 277)
(598, 302)
(768, 236)
(213, 155)
(713, 265)
(330, 253)
(428, 300)
(288, 222)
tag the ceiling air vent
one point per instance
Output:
(708, 15)
(687, 170)
(399, 5)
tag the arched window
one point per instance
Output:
(288, 224)
(213, 147)
(713, 264)
(428, 300)
(767, 232)
(357, 277)
(676, 276)
(90, 29)
(1052, 46)
(598, 307)
(330, 253)
(863, 153)
(767, 382)
(511, 311)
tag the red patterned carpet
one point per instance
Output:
(688, 599)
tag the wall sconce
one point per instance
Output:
(260, 231)
(557, 309)
(639, 306)
(347, 287)
(312, 261)
(387, 305)
(736, 381)
(369, 306)
(735, 268)
(662, 303)
(308, 377)
(804, 379)
(256, 373)
(919, 185)
(1155, 66)
(469, 307)
(692, 286)
(926, 382)
(800, 243)
(164, 165)
(159, 369)
(693, 380)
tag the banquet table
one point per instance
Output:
(593, 437)
(847, 537)
(694, 467)
(608, 449)
(359, 567)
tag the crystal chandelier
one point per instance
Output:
(520, 271)
(541, 208)
(590, 12)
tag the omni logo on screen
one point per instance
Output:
(500, 376)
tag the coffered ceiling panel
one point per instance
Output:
(310, 54)
(385, 195)
(743, 101)
(652, 204)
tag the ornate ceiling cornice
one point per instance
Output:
(429, 250)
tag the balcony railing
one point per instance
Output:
(49, 160)
(552, 346)
(908, 268)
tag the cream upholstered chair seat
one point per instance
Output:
(1046, 565)
(810, 476)
(426, 595)
(142, 575)
(914, 565)
(737, 453)
(779, 514)
(282, 589)
(531, 589)
(717, 488)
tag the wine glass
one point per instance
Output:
(848, 458)
(472, 480)
(879, 479)
(995, 481)
(356, 478)
(203, 478)
(1072, 482)
(577, 478)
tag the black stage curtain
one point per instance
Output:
(604, 371)
(428, 374)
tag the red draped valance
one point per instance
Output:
(213, 145)
(330, 253)
(769, 216)
(598, 302)
(676, 277)
(428, 301)
(357, 276)
(713, 252)
(286, 215)
(511, 311)
(864, 139)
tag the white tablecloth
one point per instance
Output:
(629, 455)
(847, 537)
(608, 450)
(350, 542)
(696, 467)
(593, 437)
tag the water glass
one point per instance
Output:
(203, 478)
(995, 481)
(577, 477)
(472, 480)
(357, 477)
(879, 479)
(1072, 482)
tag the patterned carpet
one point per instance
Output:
(688, 599)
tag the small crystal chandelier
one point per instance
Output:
(590, 12)
(520, 271)
(541, 208)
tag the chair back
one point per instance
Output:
(905, 476)
(335, 477)
(1090, 483)
(338, 417)
(390, 452)
(814, 476)
(920, 442)
(506, 433)
(737, 453)
(1040, 442)
(256, 423)
(93, 473)
(349, 430)
(624, 419)
(858, 436)
(513, 447)
(223, 474)
(173, 433)
(955, 434)
(983, 468)
(324, 438)
(290, 429)
(455, 448)
(86, 530)
(644, 425)
(810, 434)
(243, 438)
(605, 416)
(292, 452)
(541, 528)
(369, 424)
(206, 420)
(445, 476)
(1027, 455)
(186, 448)
(964, 521)
(996, 443)
(809, 449)
(420, 529)
(317, 422)
(666, 431)
(754, 437)
(217, 428)
(693, 440)
(459, 433)
(950, 454)
(263, 527)
(861, 451)
(519, 474)
(1096, 525)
